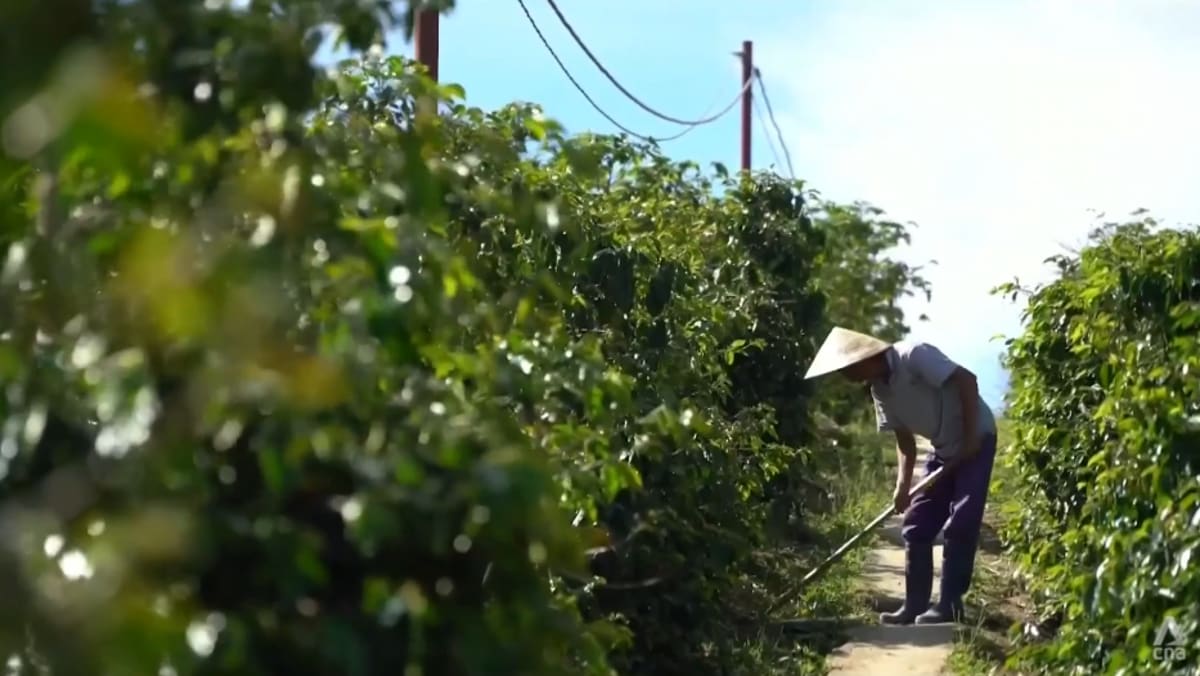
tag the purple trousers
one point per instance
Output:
(955, 501)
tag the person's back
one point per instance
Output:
(917, 393)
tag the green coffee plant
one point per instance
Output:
(1107, 420)
(330, 372)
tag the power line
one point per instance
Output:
(579, 87)
(770, 142)
(596, 106)
(767, 100)
(582, 45)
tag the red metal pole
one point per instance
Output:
(747, 103)
(426, 39)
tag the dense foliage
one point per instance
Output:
(312, 372)
(1106, 407)
(865, 287)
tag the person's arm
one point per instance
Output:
(906, 459)
(968, 393)
(906, 452)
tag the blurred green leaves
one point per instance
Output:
(312, 372)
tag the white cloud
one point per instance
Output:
(996, 128)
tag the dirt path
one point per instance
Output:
(913, 650)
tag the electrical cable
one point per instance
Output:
(691, 123)
(596, 106)
(762, 120)
(767, 100)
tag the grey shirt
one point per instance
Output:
(918, 397)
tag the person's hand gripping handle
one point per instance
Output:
(901, 498)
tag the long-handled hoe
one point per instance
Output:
(841, 551)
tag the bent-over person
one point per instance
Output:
(918, 390)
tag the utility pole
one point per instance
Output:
(747, 104)
(427, 40)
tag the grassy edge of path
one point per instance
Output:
(997, 604)
(856, 495)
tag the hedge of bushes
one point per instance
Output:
(329, 373)
(1106, 412)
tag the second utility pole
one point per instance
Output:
(426, 34)
(747, 103)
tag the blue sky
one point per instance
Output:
(998, 127)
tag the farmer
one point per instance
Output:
(918, 390)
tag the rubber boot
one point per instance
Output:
(958, 561)
(918, 585)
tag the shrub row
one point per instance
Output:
(1106, 410)
(332, 373)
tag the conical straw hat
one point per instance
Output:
(843, 347)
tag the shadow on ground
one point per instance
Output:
(884, 602)
(914, 635)
(842, 634)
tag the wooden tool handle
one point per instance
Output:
(924, 483)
